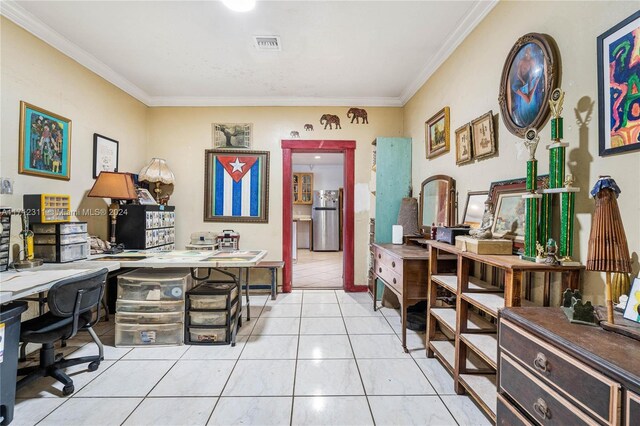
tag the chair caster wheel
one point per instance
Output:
(94, 366)
(68, 390)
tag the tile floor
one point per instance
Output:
(312, 357)
(318, 269)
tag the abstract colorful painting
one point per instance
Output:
(632, 310)
(45, 143)
(236, 186)
(619, 87)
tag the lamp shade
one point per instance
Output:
(157, 171)
(608, 250)
(118, 186)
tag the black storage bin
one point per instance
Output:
(211, 313)
(10, 322)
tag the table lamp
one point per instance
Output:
(608, 251)
(157, 172)
(117, 186)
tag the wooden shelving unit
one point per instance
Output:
(466, 307)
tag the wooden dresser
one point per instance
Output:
(552, 372)
(403, 270)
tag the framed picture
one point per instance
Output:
(145, 197)
(105, 155)
(632, 310)
(437, 133)
(232, 135)
(509, 208)
(474, 208)
(483, 137)
(236, 187)
(530, 73)
(464, 152)
(45, 143)
(618, 84)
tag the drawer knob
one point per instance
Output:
(541, 363)
(394, 280)
(380, 270)
(541, 408)
(393, 264)
(379, 256)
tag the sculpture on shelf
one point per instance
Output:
(484, 232)
(552, 248)
(540, 254)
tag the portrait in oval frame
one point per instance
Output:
(530, 73)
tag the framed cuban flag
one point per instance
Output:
(236, 187)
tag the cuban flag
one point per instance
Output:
(237, 185)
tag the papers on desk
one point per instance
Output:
(19, 281)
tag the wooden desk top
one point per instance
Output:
(505, 261)
(617, 355)
(404, 251)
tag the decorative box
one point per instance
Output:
(473, 245)
(448, 235)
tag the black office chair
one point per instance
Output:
(71, 303)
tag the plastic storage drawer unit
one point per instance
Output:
(154, 284)
(149, 307)
(148, 318)
(213, 301)
(148, 334)
(212, 314)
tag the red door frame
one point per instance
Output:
(291, 146)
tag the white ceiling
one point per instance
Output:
(201, 53)
(329, 159)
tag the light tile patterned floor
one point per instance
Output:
(345, 368)
(318, 269)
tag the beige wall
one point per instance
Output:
(34, 72)
(468, 82)
(181, 135)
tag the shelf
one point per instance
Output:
(489, 302)
(477, 285)
(482, 387)
(485, 345)
(445, 351)
(475, 322)
(450, 282)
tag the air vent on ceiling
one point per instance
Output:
(268, 43)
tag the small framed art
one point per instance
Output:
(232, 135)
(437, 133)
(463, 144)
(105, 155)
(483, 137)
(618, 71)
(45, 143)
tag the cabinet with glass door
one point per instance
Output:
(302, 188)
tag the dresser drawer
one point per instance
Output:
(587, 388)
(393, 263)
(508, 415)
(389, 276)
(542, 403)
(633, 409)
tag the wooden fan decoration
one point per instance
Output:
(608, 250)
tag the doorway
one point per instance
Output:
(347, 148)
(318, 182)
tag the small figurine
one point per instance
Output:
(566, 298)
(568, 181)
(583, 312)
(540, 253)
(531, 140)
(484, 232)
(552, 248)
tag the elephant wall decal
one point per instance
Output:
(294, 134)
(330, 120)
(308, 127)
(356, 114)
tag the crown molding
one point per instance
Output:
(19, 16)
(197, 101)
(468, 23)
(15, 13)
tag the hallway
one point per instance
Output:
(316, 269)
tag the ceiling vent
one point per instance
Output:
(267, 43)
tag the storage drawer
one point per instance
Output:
(633, 409)
(149, 318)
(391, 262)
(208, 335)
(154, 284)
(211, 318)
(508, 415)
(542, 403)
(61, 254)
(586, 387)
(149, 334)
(211, 301)
(389, 276)
(64, 239)
(149, 307)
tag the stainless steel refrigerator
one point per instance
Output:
(326, 220)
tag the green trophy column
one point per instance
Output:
(531, 214)
(567, 216)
